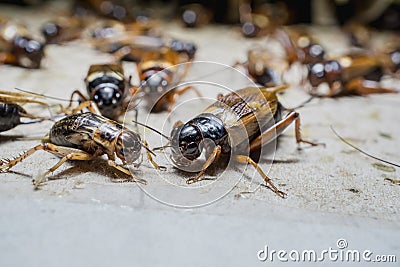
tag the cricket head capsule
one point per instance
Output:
(185, 142)
(128, 147)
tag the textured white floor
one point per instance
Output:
(82, 219)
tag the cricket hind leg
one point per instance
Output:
(266, 138)
(275, 130)
(247, 160)
(66, 154)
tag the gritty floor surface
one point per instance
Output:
(83, 219)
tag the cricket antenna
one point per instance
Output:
(45, 96)
(161, 147)
(361, 151)
(151, 128)
(148, 149)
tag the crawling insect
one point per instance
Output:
(158, 75)
(85, 136)
(107, 87)
(160, 68)
(17, 47)
(157, 59)
(257, 109)
(264, 67)
(11, 113)
(354, 74)
(300, 46)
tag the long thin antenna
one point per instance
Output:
(161, 147)
(45, 96)
(151, 128)
(148, 149)
(361, 151)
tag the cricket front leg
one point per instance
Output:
(111, 162)
(90, 105)
(213, 157)
(81, 97)
(150, 158)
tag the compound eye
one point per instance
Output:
(136, 146)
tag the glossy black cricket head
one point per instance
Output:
(108, 98)
(128, 146)
(190, 139)
(185, 142)
(329, 71)
(106, 88)
(156, 83)
(29, 52)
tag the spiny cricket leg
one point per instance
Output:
(213, 157)
(112, 163)
(275, 130)
(6, 163)
(66, 154)
(245, 159)
(299, 139)
(150, 158)
(79, 94)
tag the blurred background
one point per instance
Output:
(382, 14)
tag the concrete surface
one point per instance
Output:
(83, 219)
